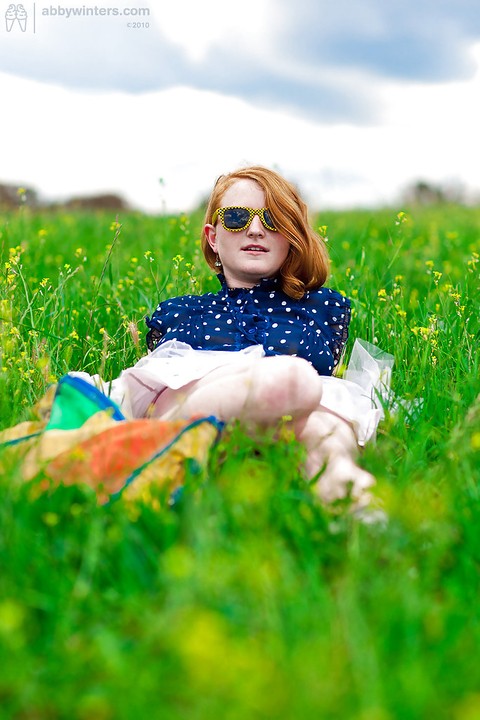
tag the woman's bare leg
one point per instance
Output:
(261, 393)
(332, 446)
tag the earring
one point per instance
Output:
(217, 262)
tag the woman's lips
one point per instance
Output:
(255, 248)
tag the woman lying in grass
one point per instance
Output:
(265, 346)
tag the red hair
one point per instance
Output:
(307, 263)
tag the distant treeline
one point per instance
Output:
(14, 196)
(422, 192)
(419, 192)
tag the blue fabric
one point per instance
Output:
(314, 328)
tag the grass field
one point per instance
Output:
(247, 599)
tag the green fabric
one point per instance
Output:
(75, 402)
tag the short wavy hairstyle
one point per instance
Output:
(307, 264)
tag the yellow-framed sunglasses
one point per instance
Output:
(236, 218)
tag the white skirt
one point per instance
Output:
(359, 397)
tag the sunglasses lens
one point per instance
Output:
(236, 218)
(268, 219)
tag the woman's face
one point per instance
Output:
(252, 254)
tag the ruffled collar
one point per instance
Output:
(265, 285)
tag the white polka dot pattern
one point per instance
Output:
(314, 328)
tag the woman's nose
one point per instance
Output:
(256, 227)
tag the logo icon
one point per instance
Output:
(16, 13)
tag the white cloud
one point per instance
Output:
(196, 27)
(66, 142)
(321, 61)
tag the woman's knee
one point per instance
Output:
(323, 429)
(286, 382)
(263, 392)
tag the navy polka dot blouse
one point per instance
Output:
(314, 328)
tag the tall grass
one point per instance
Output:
(246, 599)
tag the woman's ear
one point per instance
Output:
(211, 235)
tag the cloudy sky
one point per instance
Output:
(351, 100)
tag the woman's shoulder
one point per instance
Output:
(326, 297)
(187, 302)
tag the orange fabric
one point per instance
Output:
(130, 457)
(110, 455)
(108, 459)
